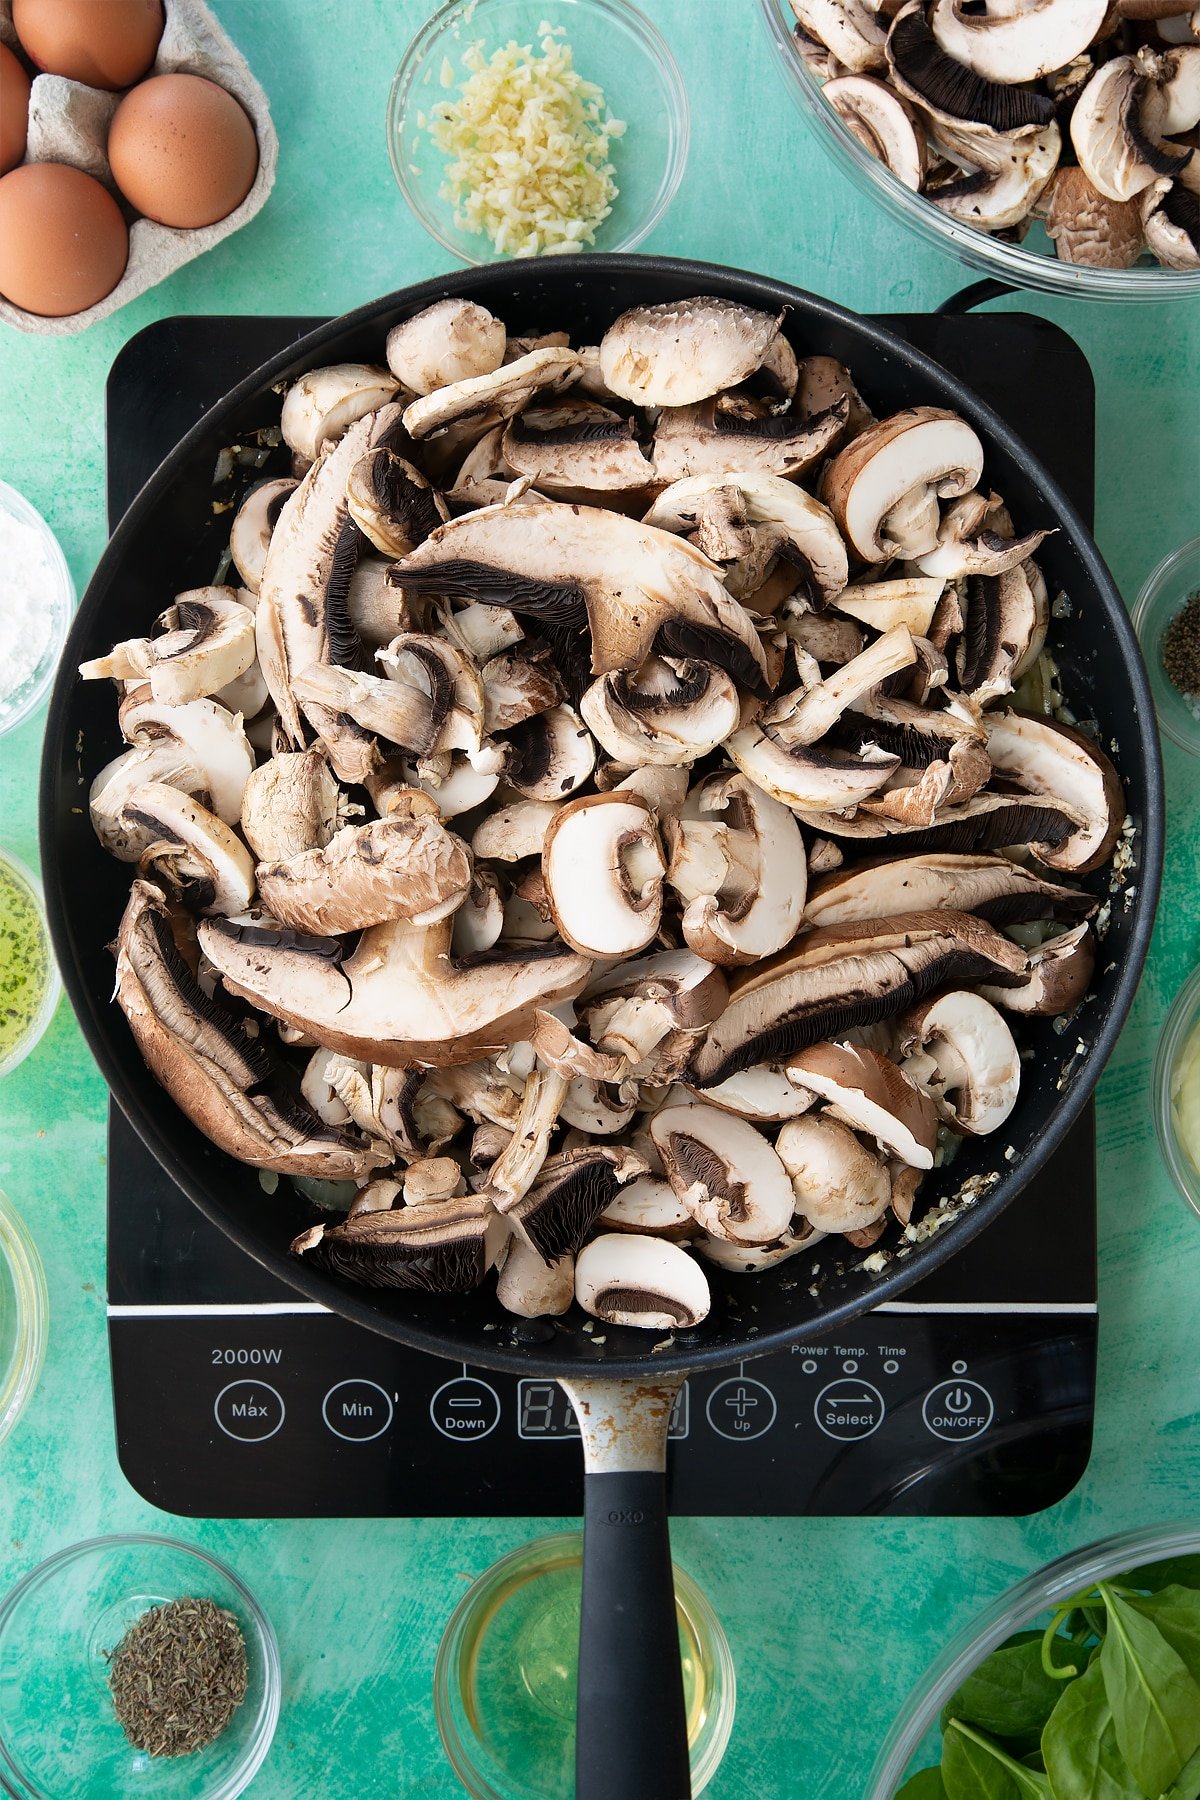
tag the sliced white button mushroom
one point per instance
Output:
(205, 640)
(966, 544)
(516, 685)
(534, 1289)
(452, 340)
(551, 754)
(684, 350)
(501, 392)
(291, 804)
(324, 403)
(882, 122)
(1023, 43)
(630, 1010)
(471, 778)
(1045, 757)
(603, 868)
(908, 600)
(798, 720)
(921, 451)
(668, 712)
(626, 1279)
(1118, 127)
(959, 1049)
(852, 30)
(432, 1180)
(207, 737)
(663, 786)
(738, 864)
(649, 1205)
(871, 1093)
(123, 835)
(511, 833)
(191, 850)
(479, 920)
(837, 1183)
(253, 524)
(763, 1094)
(725, 1172)
(750, 1259)
(1002, 178)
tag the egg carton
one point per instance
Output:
(68, 123)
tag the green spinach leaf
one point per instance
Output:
(1009, 1694)
(1080, 1747)
(1176, 1612)
(973, 1768)
(1155, 1703)
(1187, 1787)
(1184, 1570)
(928, 1785)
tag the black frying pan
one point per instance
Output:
(631, 1739)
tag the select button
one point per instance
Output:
(357, 1411)
(249, 1410)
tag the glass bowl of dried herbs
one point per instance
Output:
(1082, 1680)
(1166, 617)
(134, 1664)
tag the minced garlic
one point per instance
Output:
(529, 142)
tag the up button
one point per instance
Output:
(957, 1411)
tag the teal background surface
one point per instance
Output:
(830, 1622)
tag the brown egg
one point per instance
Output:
(107, 43)
(63, 242)
(182, 150)
(14, 110)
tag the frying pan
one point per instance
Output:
(631, 1735)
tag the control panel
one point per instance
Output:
(236, 1413)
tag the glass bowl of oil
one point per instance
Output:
(23, 1313)
(504, 1680)
(1177, 1091)
(29, 980)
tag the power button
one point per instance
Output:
(957, 1411)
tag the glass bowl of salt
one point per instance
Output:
(37, 599)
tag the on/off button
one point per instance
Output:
(957, 1411)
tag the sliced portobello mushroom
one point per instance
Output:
(603, 868)
(737, 862)
(668, 712)
(837, 1183)
(320, 407)
(871, 1094)
(684, 350)
(501, 392)
(452, 340)
(958, 1048)
(948, 89)
(724, 1171)
(627, 1279)
(516, 685)
(1058, 977)
(1060, 763)
(558, 1213)
(445, 1249)
(714, 436)
(846, 976)
(1019, 43)
(291, 804)
(992, 887)
(576, 447)
(393, 868)
(219, 1076)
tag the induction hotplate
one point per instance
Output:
(234, 1398)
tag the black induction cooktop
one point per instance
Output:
(234, 1398)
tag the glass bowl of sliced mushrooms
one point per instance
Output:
(1053, 146)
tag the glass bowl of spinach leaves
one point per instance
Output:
(1081, 1683)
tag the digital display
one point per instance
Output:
(543, 1411)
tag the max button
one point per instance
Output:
(465, 1408)
(251, 1411)
(957, 1411)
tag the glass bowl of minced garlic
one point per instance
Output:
(519, 130)
(1166, 617)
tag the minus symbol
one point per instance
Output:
(468, 1405)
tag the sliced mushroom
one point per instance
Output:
(1169, 213)
(882, 122)
(560, 1209)
(206, 640)
(908, 600)
(917, 455)
(987, 822)
(763, 1094)
(1088, 228)
(844, 976)
(724, 1171)
(966, 545)
(479, 920)
(632, 1009)
(397, 998)
(749, 1259)
(516, 685)
(870, 1093)
(1057, 979)
(637, 588)
(253, 524)
(576, 446)
(320, 407)
(462, 781)
(1055, 760)
(737, 861)
(551, 754)
(452, 340)
(514, 1171)
(714, 436)
(811, 778)
(837, 1183)
(1017, 43)
(649, 1205)
(959, 1049)
(392, 503)
(992, 887)
(1003, 620)
(850, 29)
(532, 1288)
(823, 636)
(669, 712)
(217, 1074)
(626, 1279)
(1118, 127)
(514, 832)
(207, 737)
(291, 804)
(445, 1249)
(603, 868)
(947, 88)
(373, 607)
(798, 720)
(775, 512)
(392, 868)
(501, 392)
(121, 834)
(684, 350)
(432, 1180)
(191, 850)
(1002, 179)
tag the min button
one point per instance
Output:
(249, 1410)
(957, 1411)
(357, 1411)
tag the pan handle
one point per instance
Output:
(631, 1724)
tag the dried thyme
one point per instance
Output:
(1181, 647)
(178, 1676)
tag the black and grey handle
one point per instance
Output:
(631, 1724)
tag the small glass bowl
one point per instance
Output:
(504, 1681)
(914, 1740)
(59, 601)
(24, 1311)
(1032, 264)
(1178, 1041)
(59, 1736)
(14, 874)
(1164, 592)
(613, 44)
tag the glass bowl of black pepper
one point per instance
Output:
(1166, 617)
(134, 1664)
